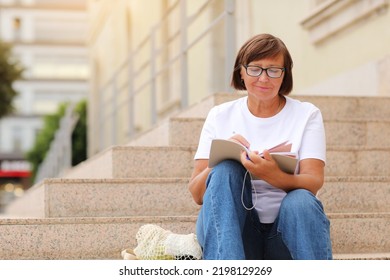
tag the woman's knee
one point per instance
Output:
(300, 201)
(230, 174)
(227, 167)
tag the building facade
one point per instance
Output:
(146, 62)
(48, 37)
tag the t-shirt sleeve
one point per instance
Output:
(206, 136)
(313, 141)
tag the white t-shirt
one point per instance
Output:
(298, 122)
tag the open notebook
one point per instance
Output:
(222, 149)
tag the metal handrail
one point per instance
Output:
(106, 117)
(58, 159)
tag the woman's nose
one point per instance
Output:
(263, 76)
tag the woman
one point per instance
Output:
(277, 216)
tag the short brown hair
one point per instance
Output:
(259, 47)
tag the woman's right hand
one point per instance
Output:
(197, 183)
(240, 139)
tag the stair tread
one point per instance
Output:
(80, 220)
(330, 178)
(76, 238)
(359, 215)
(341, 107)
(93, 220)
(106, 197)
(63, 197)
(367, 256)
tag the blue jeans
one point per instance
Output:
(226, 230)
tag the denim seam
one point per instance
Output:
(283, 240)
(212, 198)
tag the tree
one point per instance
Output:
(10, 71)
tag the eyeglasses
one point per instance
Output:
(256, 71)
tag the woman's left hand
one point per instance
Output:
(310, 176)
(263, 167)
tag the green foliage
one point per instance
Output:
(51, 124)
(10, 71)
(79, 136)
(42, 142)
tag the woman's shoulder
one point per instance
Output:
(301, 105)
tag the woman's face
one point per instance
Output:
(264, 87)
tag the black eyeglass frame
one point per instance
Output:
(266, 71)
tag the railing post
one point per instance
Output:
(230, 42)
(113, 111)
(130, 95)
(153, 94)
(183, 57)
(66, 134)
(101, 118)
(59, 156)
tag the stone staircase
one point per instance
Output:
(95, 210)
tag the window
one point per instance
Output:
(17, 26)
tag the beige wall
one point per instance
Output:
(352, 61)
(116, 27)
(335, 52)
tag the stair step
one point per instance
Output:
(357, 161)
(371, 134)
(356, 194)
(365, 119)
(186, 132)
(372, 256)
(339, 108)
(174, 162)
(137, 162)
(170, 197)
(106, 198)
(345, 108)
(78, 238)
(173, 132)
(105, 238)
(358, 233)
